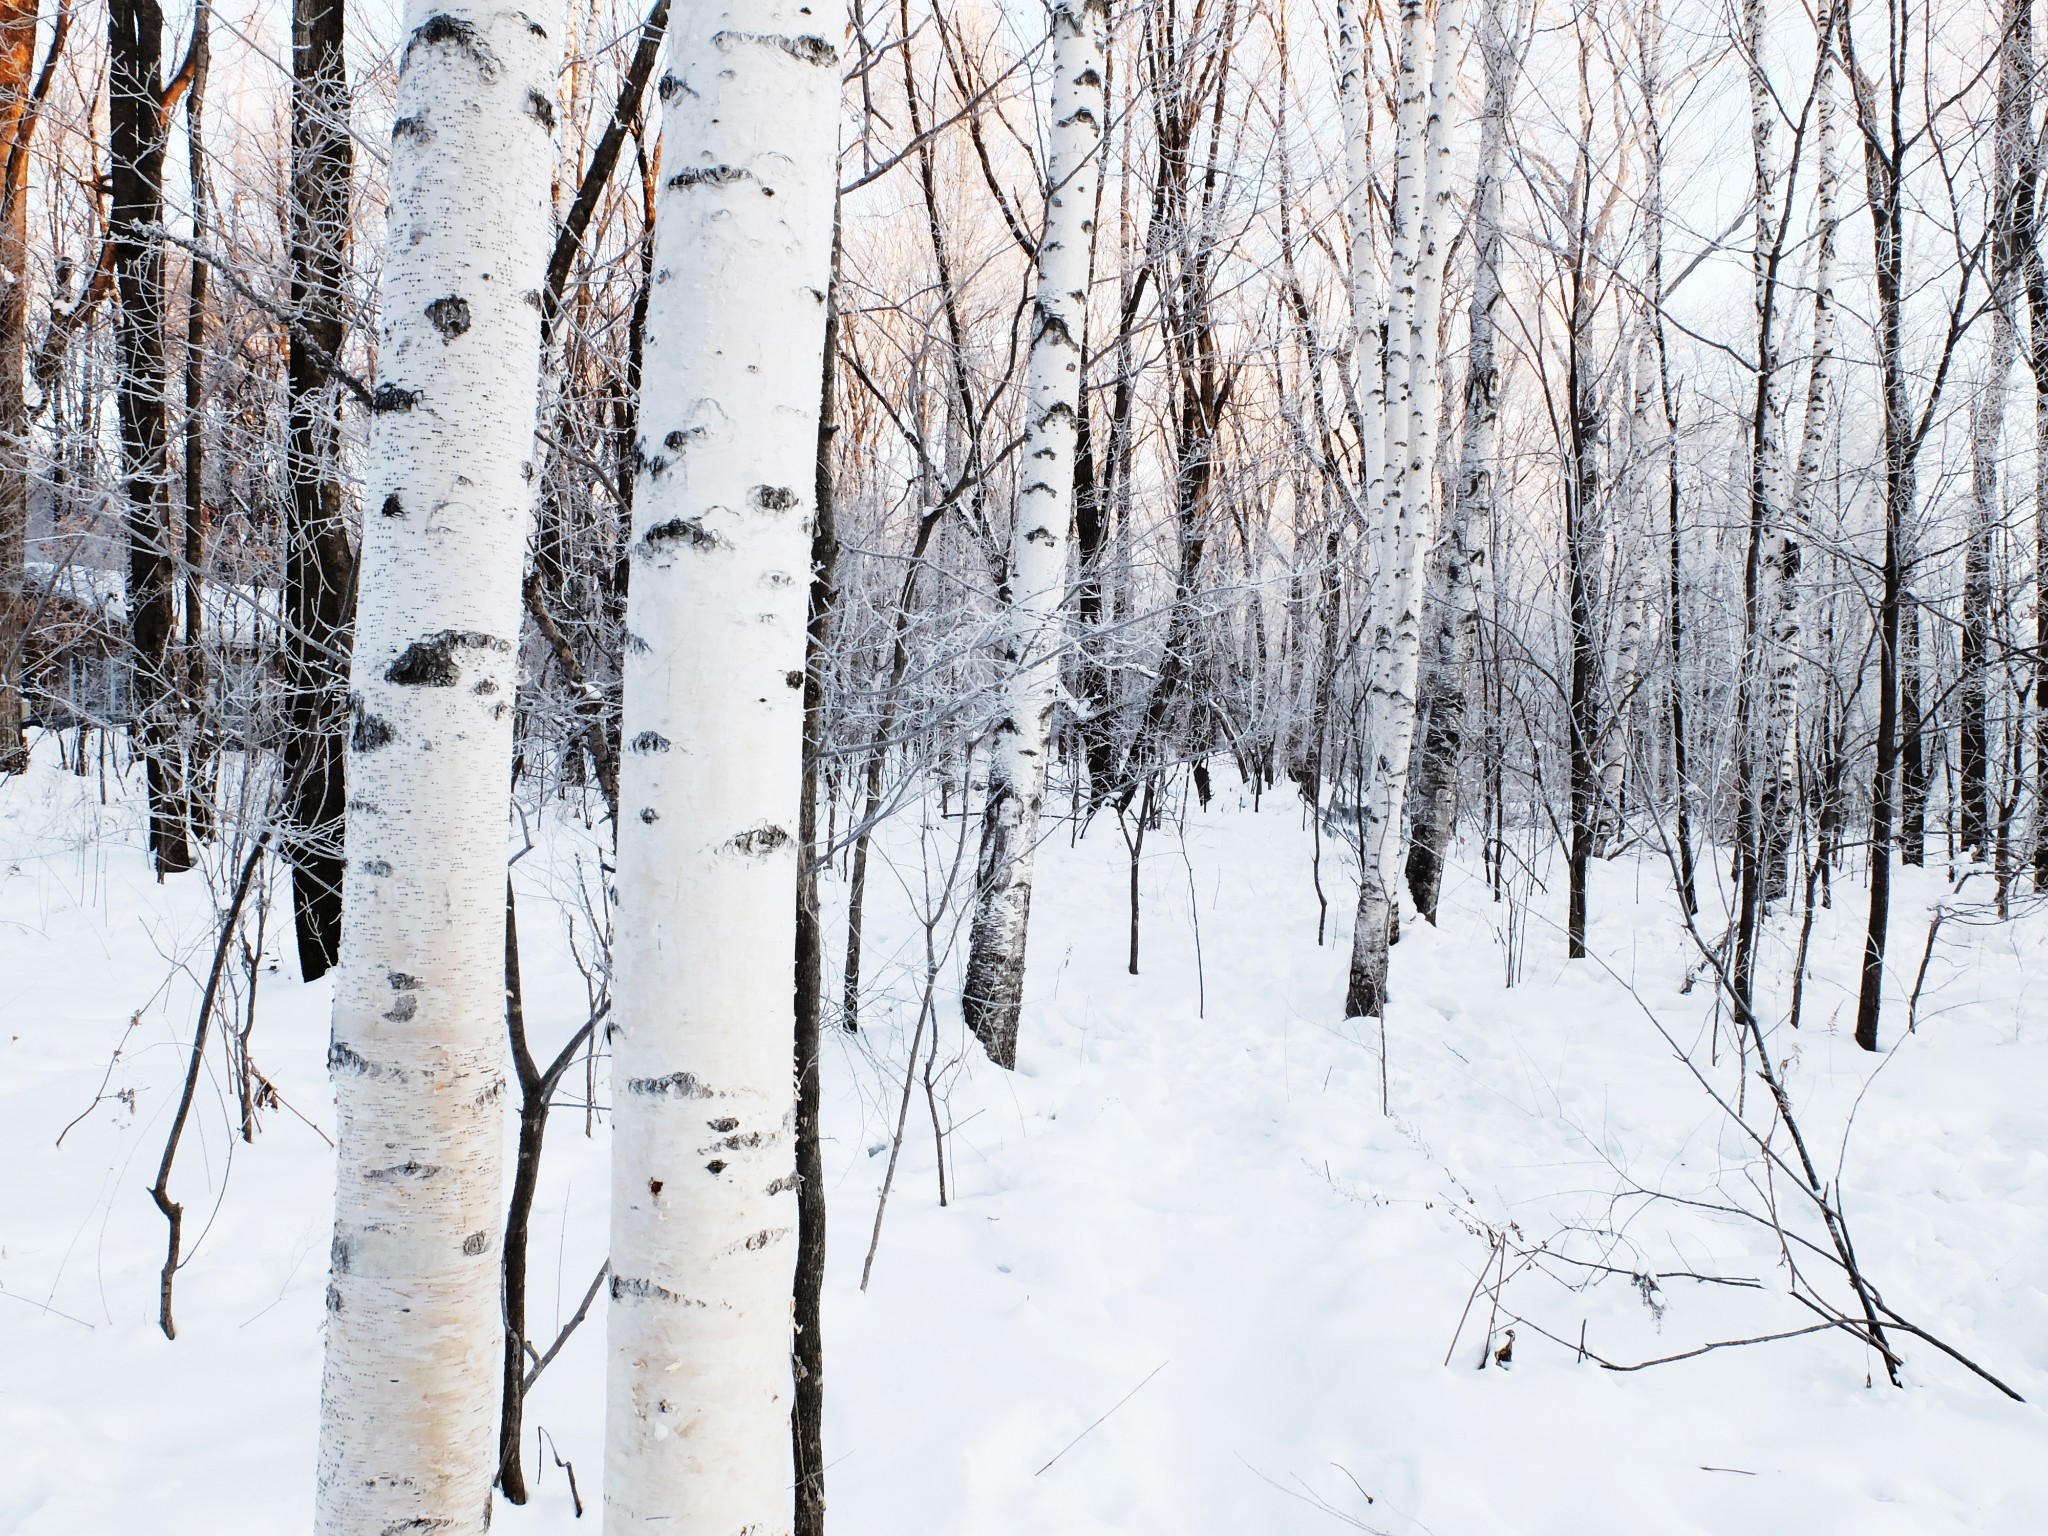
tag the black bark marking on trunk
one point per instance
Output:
(760, 842)
(429, 662)
(806, 49)
(409, 1169)
(709, 176)
(370, 733)
(774, 498)
(414, 127)
(715, 1166)
(389, 397)
(541, 110)
(476, 1243)
(679, 530)
(392, 507)
(723, 1124)
(682, 1085)
(444, 28)
(650, 741)
(449, 316)
(624, 1286)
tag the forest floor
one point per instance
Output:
(1189, 1277)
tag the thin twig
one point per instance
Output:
(1162, 1365)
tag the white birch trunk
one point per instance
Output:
(1422, 235)
(1777, 613)
(1369, 363)
(1763, 112)
(1645, 452)
(1035, 632)
(409, 1401)
(1459, 576)
(1987, 430)
(1782, 549)
(699, 1385)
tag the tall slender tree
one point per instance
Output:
(320, 558)
(704, 1207)
(409, 1401)
(1035, 632)
(19, 101)
(1459, 573)
(1422, 233)
(137, 141)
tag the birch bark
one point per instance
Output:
(2012, 143)
(1459, 577)
(1781, 794)
(1422, 235)
(704, 1206)
(1368, 322)
(1035, 633)
(1645, 450)
(409, 1403)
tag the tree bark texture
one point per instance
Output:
(704, 1183)
(1460, 571)
(1421, 246)
(320, 560)
(17, 60)
(1035, 632)
(137, 141)
(410, 1399)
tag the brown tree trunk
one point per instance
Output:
(320, 561)
(17, 54)
(137, 142)
(807, 1415)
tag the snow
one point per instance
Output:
(1190, 1277)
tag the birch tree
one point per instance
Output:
(1034, 629)
(1458, 576)
(1033, 623)
(1781, 795)
(704, 1203)
(1422, 233)
(2011, 144)
(409, 1403)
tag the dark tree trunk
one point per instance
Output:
(1912, 727)
(807, 1416)
(17, 123)
(1582, 499)
(320, 561)
(533, 1129)
(1091, 542)
(2037, 362)
(137, 143)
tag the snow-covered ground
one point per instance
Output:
(1186, 1211)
